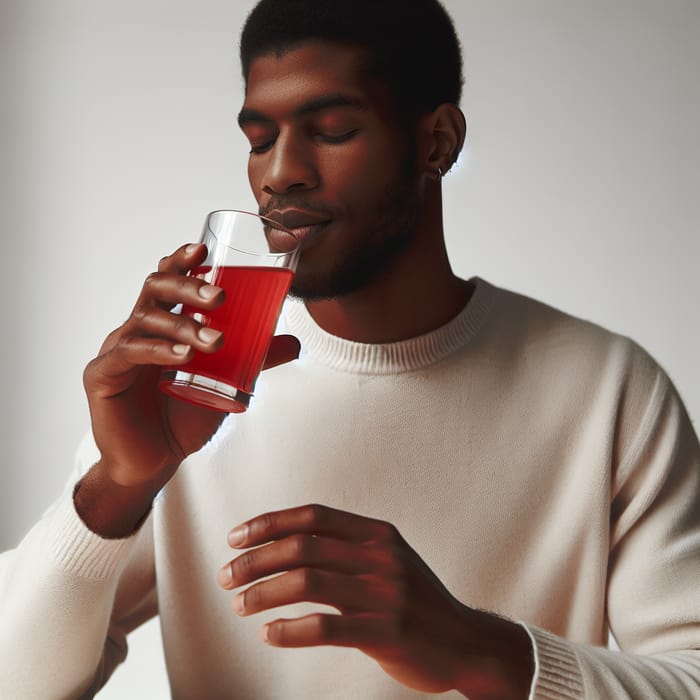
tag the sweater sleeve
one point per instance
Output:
(68, 598)
(653, 589)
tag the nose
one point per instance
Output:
(289, 166)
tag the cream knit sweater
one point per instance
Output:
(543, 468)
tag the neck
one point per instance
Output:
(418, 294)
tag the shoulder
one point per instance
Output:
(538, 335)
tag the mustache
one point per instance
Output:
(295, 202)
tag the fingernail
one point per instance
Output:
(238, 603)
(208, 335)
(180, 349)
(225, 577)
(238, 536)
(208, 291)
(191, 248)
(265, 634)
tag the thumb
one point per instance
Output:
(283, 349)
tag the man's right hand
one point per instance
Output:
(142, 434)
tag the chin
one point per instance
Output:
(312, 290)
(339, 283)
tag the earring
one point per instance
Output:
(439, 173)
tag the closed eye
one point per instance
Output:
(341, 138)
(262, 148)
(320, 136)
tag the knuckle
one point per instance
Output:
(277, 633)
(139, 313)
(127, 343)
(124, 344)
(111, 339)
(89, 372)
(322, 627)
(390, 563)
(313, 514)
(183, 283)
(151, 348)
(181, 323)
(266, 523)
(388, 533)
(301, 547)
(253, 598)
(244, 566)
(308, 581)
(152, 280)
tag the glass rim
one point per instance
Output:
(276, 224)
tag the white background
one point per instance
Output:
(579, 186)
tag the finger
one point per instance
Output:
(298, 551)
(308, 585)
(114, 368)
(169, 281)
(183, 259)
(313, 519)
(367, 631)
(125, 351)
(283, 348)
(154, 322)
(166, 289)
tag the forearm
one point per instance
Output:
(56, 595)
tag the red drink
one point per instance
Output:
(225, 379)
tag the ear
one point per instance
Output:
(443, 132)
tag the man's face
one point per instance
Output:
(329, 161)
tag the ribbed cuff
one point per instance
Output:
(79, 550)
(557, 671)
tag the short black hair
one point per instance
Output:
(412, 44)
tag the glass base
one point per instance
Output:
(204, 391)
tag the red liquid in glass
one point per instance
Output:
(247, 317)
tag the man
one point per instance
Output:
(544, 471)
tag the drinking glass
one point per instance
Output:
(256, 281)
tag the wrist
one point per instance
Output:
(111, 509)
(499, 663)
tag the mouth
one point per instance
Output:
(299, 224)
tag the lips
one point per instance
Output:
(299, 222)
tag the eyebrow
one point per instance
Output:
(318, 104)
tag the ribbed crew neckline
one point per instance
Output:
(391, 358)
